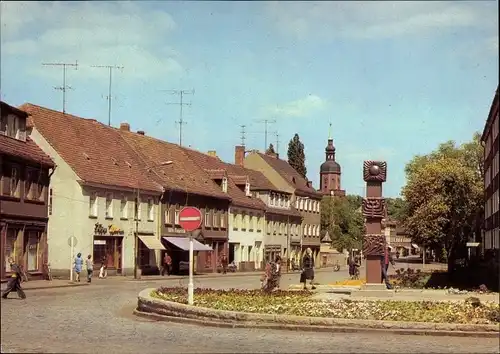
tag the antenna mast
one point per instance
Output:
(243, 132)
(266, 124)
(181, 103)
(64, 87)
(109, 97)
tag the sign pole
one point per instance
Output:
(191, 265)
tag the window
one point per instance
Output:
(32, 250)
(92, 204)
(271, 199)
(14, 182)
(151, 209)
(124, 207)
(224, 184)
(29, 187)
(177, 211)
(222, 219)
(268, 227)
(247, 189)
(244, 225)
(252, 223)
(259, 223)
(207, 218)
(281, 201)
(11, 250)
(168, 220)
(235, 221)
(215, 218)
(109, 205)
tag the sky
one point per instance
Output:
(394, 79)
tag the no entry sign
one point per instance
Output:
(190, 218)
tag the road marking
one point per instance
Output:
(190, 218)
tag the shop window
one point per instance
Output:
(10, 247)
(107, 250)
(33, 243)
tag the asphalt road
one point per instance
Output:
(98, 319)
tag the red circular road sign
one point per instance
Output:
(190, 218)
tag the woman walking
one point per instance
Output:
(78, 266)
(307, 269)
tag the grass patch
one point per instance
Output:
(301, 303)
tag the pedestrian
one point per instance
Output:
(14, 282)
(103, 272)
(78, 266)
(384, 263)
(90, 268)
(167, 264)
(307, 269)
(223, 262)
(272, 276)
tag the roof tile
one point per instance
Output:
(26, 150)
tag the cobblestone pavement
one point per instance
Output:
(98, 319)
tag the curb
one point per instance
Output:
(53, 287)
(203, 276)
(157, 309)
(310, 328)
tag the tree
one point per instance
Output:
(343, 221)
(396, 208)
(270, 149)
(355, 201)
(444, 197)
(296, 155)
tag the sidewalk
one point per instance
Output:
(65, 283)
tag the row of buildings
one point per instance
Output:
(72, 185)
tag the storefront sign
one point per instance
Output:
(112, 230)
(99, 242)
(99, 229)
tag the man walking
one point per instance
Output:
(14, 282)
(386, 259)
(90, 268)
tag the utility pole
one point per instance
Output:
(243, 137)
(266, 123)
(110, 68)
(277, 143)
(64, 87)
(181, 103)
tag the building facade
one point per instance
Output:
(25, 173)
(93, 193)
(304, 197)
(490, 140)
(398, 240)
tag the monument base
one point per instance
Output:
(373, 290)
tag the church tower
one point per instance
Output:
(330, 171)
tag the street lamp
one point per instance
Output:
(136, 238)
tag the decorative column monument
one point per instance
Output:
(374, 174)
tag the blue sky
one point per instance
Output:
(394, 78)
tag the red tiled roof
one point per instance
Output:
(27, 150)
(216, 166)
(183, 174)
(257, 179)
(239, 180)
(290, 212)
(216, 174)
(289, 174)
(97, 153)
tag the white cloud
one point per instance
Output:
(382, 19)
(94, 33)
(298, 108)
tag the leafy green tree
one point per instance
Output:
(296, 155)
(355, 201)
(443, 197)
(396, 208)
(343, 221)
(270, 149)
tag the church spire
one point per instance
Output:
(330, 131)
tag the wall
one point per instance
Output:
(254, 162)
(248, 239)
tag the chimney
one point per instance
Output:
(239, 155)
(125, 127)
(141, 132)
(309, 184)
(212, 153)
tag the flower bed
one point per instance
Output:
(301, 303)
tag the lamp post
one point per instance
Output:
(136, 237)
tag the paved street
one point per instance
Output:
(98, 319)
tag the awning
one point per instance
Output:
(415, 246)
(151, 242)
(472, 244)
(183, 244)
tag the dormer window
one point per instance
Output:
(224, 184)
(247, 189)
(13, 126)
